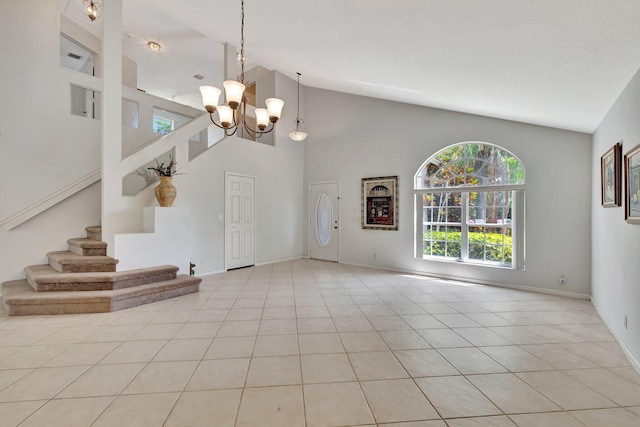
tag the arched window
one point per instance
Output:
(470, 206)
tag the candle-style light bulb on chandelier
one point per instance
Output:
(92, 9)
(233, 115)
(298, 134)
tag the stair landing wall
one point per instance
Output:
(166, 240)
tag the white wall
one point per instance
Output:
(279, 193)
(88, 40)
(44, 148)
(165, 239)
(279, 200)
(353, 137)
(278, 171)
(29, 243)
(40, 141)
(616, 244)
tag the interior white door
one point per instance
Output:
(324, 199)
(239, 221)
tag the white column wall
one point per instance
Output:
(111, 121)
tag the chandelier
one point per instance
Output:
(234, 115)
(298, 134)
(91, 9)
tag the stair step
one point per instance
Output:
(94, 232)
(67, 262)
(19, 297)
(44, 278)
(87, 247)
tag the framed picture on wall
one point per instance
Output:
(632, 185)
(611, 176)
(380, 203)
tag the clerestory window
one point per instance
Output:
(165, 121)
(469, 200)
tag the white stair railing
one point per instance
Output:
(163, 144)
(53, 199)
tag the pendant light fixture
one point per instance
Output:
(92, 9)
(233, 115)
(298, 134)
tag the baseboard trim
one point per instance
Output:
(279, 260)
(634, 362)
(210, 273)
(480, 282)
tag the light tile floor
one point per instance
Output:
(310, 343)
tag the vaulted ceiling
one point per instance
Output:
(547, 62)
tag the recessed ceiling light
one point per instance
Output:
(155, 47)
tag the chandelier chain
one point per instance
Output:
(242, 42)
(298, 115)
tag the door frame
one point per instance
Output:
(255, 221)
(310, 220)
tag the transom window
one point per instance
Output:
(470, 206)
(162, 125)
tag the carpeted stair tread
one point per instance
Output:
(94, 232)
(44, 278)
(20, 292)
(68, 262)
(87, 247)
(85, 242)
(84, 280)
(20, 298)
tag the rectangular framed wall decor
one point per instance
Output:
(611, 177)
(380, 203)
(632, 185)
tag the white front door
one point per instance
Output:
(239, 242)
(323, 220)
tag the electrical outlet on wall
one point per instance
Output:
(625, 321)
(562, 280)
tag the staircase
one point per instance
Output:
(84, 280)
